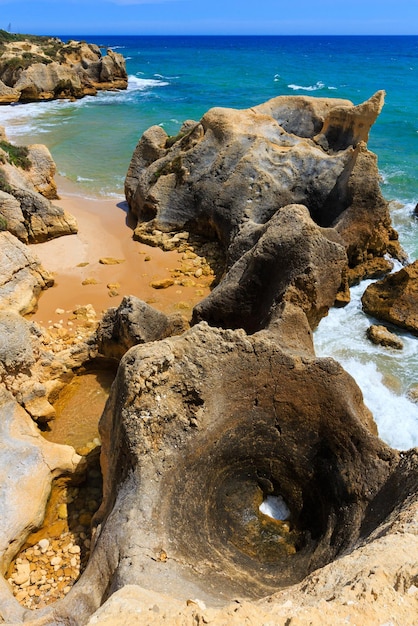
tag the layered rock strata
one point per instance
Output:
(44, 68)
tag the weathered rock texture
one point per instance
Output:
(198, 430)
(22, 277)
(229, 174)
(380, 335)
(44, 68)
(395, 298)
(26, 187)
(134, 322)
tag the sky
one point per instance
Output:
(210, 17)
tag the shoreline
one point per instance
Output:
(105, 232)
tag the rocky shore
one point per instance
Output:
(35, 68)
(216, 409)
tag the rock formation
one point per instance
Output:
(22, 277)
(394, 299)
(204, 430)
(26, 187)
(380, 335)
(44, 68)
(230, 173)
(132, 323)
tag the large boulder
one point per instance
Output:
(132, 323)
(394, 299)
(22, 277)
(229, 174)
(199, 430)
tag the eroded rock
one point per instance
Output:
(134, 322)
(229, 174)
(294, 261)
(382, 336)
(22, 277)
(26, 187)
(395, 298)
(198, 430)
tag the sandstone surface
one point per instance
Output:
(28, 464)
(22, 277)
(204, 428)
(134, 322)
(381, 335)
(26, 187)
(394, 299)
(44, 68)
(229, 174)
(198, 431)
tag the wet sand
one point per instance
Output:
(104, 232)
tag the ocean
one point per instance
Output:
(172, 79)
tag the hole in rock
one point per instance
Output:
(275, 507)
(54, 556)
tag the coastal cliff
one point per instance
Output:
(207, 425)
(35, 68)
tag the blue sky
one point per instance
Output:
(225, 17)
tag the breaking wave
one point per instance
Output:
(318, 86)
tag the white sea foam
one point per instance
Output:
(275, 507)
(318, 86)
(141, 84)
(384, 375)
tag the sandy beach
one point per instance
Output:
(81, 279)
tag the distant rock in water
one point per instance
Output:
(395, 298)
(34, 68)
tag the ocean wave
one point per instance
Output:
(386, 406)
(318, 86)
(141, 84)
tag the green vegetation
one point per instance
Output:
(18, 155)
(172, 139)
(6, 37)
(3, 223)
(4, 185)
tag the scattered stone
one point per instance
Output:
(111, 261)
(380, 335)
(90, 281)
(162, 284)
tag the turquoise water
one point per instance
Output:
(176, 78)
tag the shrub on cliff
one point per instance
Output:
(17, 155)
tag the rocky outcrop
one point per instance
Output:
(229, 174)
(294, 261)
(394, 299)
(200, 430)
(44, 68)
(22, 277)
(26, 187)
(132, 323)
